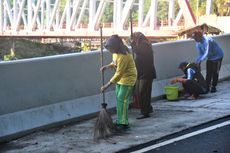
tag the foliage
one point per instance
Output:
(196, 9)
(147, 5)
(162, 10)
(220, 9)
(108, 13)
(10, 56)
(62, 5)
(29, 49)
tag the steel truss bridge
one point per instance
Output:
(52, 18)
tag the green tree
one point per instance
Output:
(201, 6)
(162, 10)
(62, 5)
(108, 13)
(220, 7)
(147, 5)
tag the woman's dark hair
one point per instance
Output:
(115, 45)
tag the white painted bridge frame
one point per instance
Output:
(45, 18)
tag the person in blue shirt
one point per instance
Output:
(210, 50)
(193, 82)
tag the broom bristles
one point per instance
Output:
(104, 126)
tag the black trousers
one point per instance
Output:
(143, 90)
(212, 72)
(194, 88)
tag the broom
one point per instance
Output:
(131, 26)
(104, 126)
(135, 103)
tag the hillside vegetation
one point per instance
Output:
(28, 49)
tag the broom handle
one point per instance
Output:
(102, 63)
(131, 26)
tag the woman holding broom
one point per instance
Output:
(124, 78)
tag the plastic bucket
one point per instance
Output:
(171, 92)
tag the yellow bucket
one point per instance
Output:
(171, 92)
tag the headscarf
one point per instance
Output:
(116, 44)
(139, 38)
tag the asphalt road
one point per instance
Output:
(210, 138)
(215, 141)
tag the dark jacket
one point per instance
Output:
(198, 77)
(144, 61)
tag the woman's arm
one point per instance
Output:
(103, 88)
(204, 53)
(181, 80)
(109, 66)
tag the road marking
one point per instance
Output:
(182, 137)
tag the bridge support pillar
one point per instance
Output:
(209, 7)
(171, 12)
(140, 13)
(117, 13)
(153, 14)
(1, 15)
(92, 12)
(48, 13)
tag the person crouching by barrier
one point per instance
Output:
(125, 77)
(193, 82)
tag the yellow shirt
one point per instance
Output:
(126, 73)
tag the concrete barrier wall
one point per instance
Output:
(44, 91)
(43, 81)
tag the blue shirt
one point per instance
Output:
(208, 48)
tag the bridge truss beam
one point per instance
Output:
(80, 17)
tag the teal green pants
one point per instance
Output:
(123, 94)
